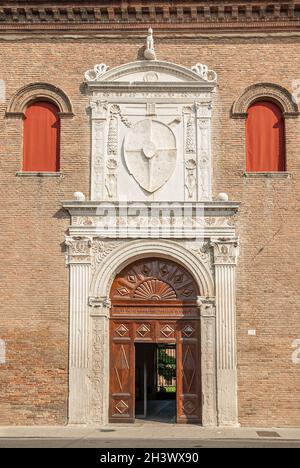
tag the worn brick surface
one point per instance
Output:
(34, 278)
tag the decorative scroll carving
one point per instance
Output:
(204, 72)
(96, 73)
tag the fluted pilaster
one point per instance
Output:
(225, 255)
(79, 264)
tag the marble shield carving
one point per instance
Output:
(150, 153)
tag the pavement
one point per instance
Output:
(149, 434)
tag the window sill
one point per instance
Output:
(39, 174)
(267, 175)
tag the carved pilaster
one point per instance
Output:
(99, 366)
(99, 119)
(190, 154)
(203, 125)
(225, 256)
(111, 178)
(208, 360)
(79, 264)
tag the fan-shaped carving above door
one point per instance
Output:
(154, 280)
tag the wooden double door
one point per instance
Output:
(154, 301)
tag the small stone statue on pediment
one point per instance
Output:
(149, 53)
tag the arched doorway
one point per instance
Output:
(154, 304)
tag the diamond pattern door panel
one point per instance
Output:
(188, 374)
(121, 374)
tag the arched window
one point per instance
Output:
(41, 137)
(265, 138)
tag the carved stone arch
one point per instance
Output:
(265, 91)
(36, 92)
(123, 256)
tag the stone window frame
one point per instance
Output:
(268, 92)
(35, 92)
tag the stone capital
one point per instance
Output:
(207, 306)
(99, 108)
(100, 305)
(79, 249)
(226, 250)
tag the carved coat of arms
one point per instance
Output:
(150, 153)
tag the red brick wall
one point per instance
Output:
(34, 278)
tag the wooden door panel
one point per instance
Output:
(121, 378)
(188, 374)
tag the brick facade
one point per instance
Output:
(34, 278)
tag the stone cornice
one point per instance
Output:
(209, 208)
(151, 219)
(133, 15)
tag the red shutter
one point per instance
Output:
(265, 138)
(41, 138)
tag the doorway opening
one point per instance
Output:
(155, 382)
